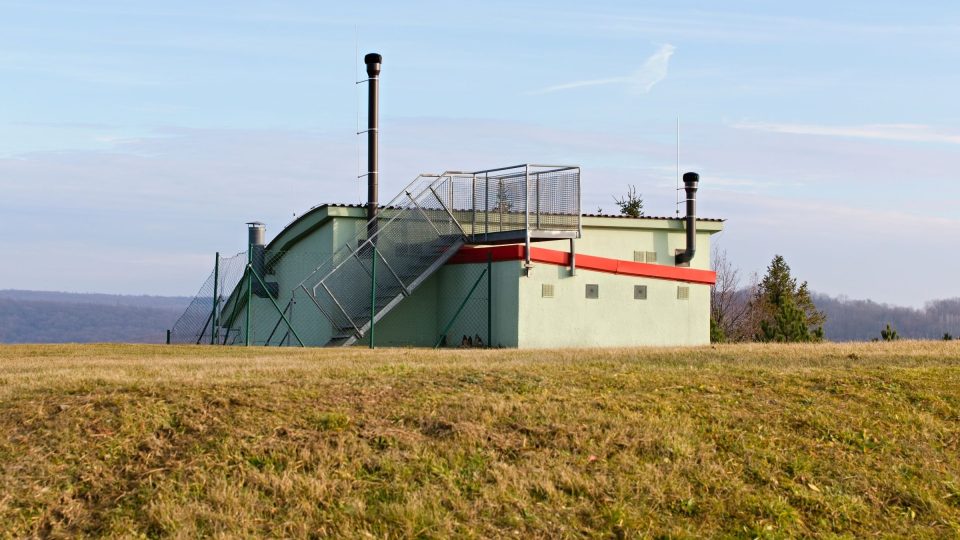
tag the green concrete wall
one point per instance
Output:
(615, 319)
(304, 244)
(504, 308)
(521, 316)
(263, 320)
(413, 323)
(419, 320)
(296, 264)
(618, 238)
(569, 319)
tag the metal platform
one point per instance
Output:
(521, 236)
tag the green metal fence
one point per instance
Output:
(199, 324)
(279, 317)
(465, 318)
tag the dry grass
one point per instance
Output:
(738, 441)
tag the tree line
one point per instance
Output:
(41, 317)
(778, 307)
(774, 308)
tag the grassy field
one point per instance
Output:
(732, 441)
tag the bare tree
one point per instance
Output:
(731, 305)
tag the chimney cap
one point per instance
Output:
(253, 224)
(373, 61)
(690, 178)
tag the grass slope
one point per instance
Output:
(738, 441)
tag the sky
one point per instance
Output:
(137, 138)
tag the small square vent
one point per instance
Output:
(546, 290)
(683, 292)
(645, 256)
(593, 291)
(639, 292)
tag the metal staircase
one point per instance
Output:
(413, 236)
(422, 228)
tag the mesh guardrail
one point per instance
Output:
(515, 199)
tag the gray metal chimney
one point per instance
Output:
(690, 182)
(257, 256)
(373, 61)
(256, 233)
(256, 240)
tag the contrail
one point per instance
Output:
(654, 70)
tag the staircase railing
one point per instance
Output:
(410, 239)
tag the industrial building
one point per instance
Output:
(501, 257)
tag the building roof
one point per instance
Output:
(621, 216)
(300, 226)
(618, 216)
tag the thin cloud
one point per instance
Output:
(653, 71)
(885, 132)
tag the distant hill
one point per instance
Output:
(59, 317)
(861, 320)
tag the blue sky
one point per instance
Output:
(136, 138)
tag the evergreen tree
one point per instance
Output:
(716, 332)
(889, 334)
(787, 311)
(504, 198)
(631, 204)
(788, 324)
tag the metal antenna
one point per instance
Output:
(677, 206)
(356, 101)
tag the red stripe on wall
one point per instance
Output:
(470, 254)
(514, 252)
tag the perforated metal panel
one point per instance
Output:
(639, 292)
(593, 291)
(649, 257)
(534, 197)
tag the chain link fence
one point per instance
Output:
(198, 324)
(264, 311)
(462, 306)
(465, 311)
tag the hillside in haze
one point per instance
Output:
(861, 320)
(58, 317)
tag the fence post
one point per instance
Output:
(168, 337)
(490, 298)
(216, 300)
(526, 216)
(486, 205)
(246, 333)
(373, 293)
